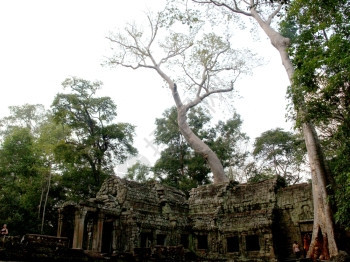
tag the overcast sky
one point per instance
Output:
(43, 42)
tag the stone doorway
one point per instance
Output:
(107, 237)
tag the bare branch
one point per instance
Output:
(189, 75)
(234, 9)
(274, 13)
(154, 30)
(202, 97)
(178, 44)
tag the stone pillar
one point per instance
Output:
(115, 237)
(97, 233)
(60, 223)
(79, 228)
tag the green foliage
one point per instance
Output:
(138, 172)
(257, 173)
(27, 116)
(258, 177)
(94, 144)
(174, 13)
(17, 151)
(282, 153)
(43, 164)
(20, 181)
(28, 170)
(320, 52)
(227, 141)
(173, 167)
(179, 165)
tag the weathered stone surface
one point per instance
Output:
(228, 222)
(294, 216)
(342, 257)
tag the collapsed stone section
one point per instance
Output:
(256, 222)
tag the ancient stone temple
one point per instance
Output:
(222, 222)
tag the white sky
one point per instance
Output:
(42, 42)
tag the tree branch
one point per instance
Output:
(202, 97)
(235, 9)
(274, 13)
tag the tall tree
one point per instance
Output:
(95, 143)
(320, 51)
(138, 172)
(49, 135)
(24, 127)
(264, 12)
(20, 181)
(178, 165)
(281, 152)
(205, 65)
(26, 116)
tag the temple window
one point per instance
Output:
(232, 244)
(202, 242)
(184, 240)
(161, 240)
(252, 243)
(146, 239)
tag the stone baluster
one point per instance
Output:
(60, 223)
(97, 234)
(79, 228)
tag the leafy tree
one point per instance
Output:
(179, 165)
(260, 176)
(282, 153)
(320, 51)
(256, 172)
(49, 135)
(26, 116)
(264, 13)
(24, 128)
(204, 65)
(95, 144)
(230, 143)
(20, 181)
(138, 172)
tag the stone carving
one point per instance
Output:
(306, 213)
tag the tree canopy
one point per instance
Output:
(201, 63)
(24, 168)
(49, 157)
(179, 165)
(264, 13)
(282, 153)
(95, 144)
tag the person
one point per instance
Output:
(4, 231)
(296, 249)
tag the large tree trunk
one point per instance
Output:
(323, 240)
(200, 147)
(323, 230)
(194, 141)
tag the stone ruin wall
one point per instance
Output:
(272, 215)
(255, 222)
(235, 213)
(149, 211)
(294, 216)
